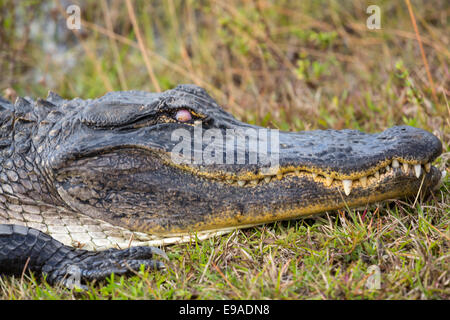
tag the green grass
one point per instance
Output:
(293, 65)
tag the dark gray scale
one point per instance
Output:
(22, 247)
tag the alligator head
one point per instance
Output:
(175, 162)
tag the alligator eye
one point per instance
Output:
(183, 115)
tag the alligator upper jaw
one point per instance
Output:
(346, 157)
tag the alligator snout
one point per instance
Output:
(350, 154)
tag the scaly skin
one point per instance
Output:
(22, 247)
(101, 173)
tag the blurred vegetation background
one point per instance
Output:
(292, 65)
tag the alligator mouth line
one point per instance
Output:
(363, 179)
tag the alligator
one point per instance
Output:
(96, 184)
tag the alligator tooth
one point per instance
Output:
(363, 181)
(241, 183)
(395, 164)
(328, 181)
(405, 167)
(427, 167)
(377, 174)
(417, 169)
(280, 176)
(267, 179)
(297, 172)
(314, 175)
(254, 182)
(229, 180)
(347, 186)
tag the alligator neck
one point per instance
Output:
(22, 180)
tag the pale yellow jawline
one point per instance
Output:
(200, 235)
(253, 179)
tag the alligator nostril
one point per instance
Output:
(183, 115)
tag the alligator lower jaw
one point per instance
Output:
(299, 196)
